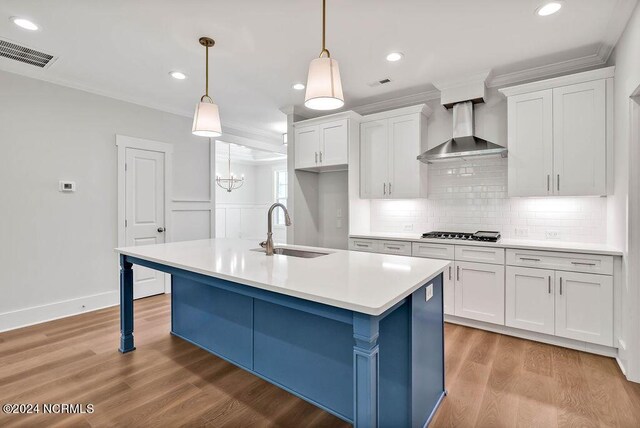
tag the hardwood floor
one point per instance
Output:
(493, 380)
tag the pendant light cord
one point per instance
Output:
(206, 91)
(324, 26)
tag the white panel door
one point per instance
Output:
(374, 159)
(334, 143)
(449, 290)
(579, 140)
(404, 148)
(479, 292)
(584, 307)
(307, 146)
(144, 213)
(530, 299)
(530, 144)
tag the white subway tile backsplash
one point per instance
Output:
(472, 195)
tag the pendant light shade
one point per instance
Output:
(324, 87)
(206, 120)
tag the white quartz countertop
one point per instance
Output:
(362, 282)
(571, 247)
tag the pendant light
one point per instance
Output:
(206, 120)
(324, 88)
(231, 183)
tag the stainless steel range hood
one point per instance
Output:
(463, 144)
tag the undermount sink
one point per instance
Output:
(305, 254)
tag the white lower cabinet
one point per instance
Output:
(479, 292)
(530, 299)
(584, 307)
(449, 290)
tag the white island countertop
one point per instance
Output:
(362, 282)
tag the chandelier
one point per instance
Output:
(231, 183)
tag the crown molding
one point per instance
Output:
(393, 103)
(571, 79)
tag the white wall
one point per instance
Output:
(333, 207)
(58, 248)
(624, 205)
(242, 213)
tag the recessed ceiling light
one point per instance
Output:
(178, 75)
(298, 86)
(549, 8)
(24, 23)
(395, 56)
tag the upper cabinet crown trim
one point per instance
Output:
(328, 118)
(423, 109)
(586, 76)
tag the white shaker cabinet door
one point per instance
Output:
(579, 139)
(449, 290)
(404, 148)
(529, 299)
(334, 147)
(307, 147)
(584, 307)
(374, 155)
(479, 293)
(530, 144)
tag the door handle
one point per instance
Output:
(384, 188)
(558, 181)
(548, 182)
(529, 259)
(316, 154)
(458, 273)
(549, 284)
(583, 264)
(561, 286)
(161, 229)
(449, 272)
(320, 157)
(389, 188)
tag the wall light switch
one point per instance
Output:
(339, 223)
(429, 294)
(67, 186)
(339, 212)
(522, 232)
(408, 227)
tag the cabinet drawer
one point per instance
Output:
(363, 245)
(433, 251)
(591, 263)
(480, 254)
(395, 247)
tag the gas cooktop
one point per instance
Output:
(481, 235)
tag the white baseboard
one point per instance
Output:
(536, 337)
(52, 311)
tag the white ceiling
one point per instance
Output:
(125, 49)
(244, 154)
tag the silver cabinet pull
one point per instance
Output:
(449, 272)
(549, 284)
(316, 154)
(458, 273)
(561, 286)
(558, 182)
(529, 259)
(320, 157)
(389, 188)
(161, 229)
(362, 245)
(583, 264)
(548, 182)
(393, 248)
(384, 188)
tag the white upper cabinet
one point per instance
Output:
(390, 143)
(559, 133)
(579, 136)
(322, 144)
(530, 135)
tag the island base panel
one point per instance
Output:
(316, 358)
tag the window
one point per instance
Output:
(280, 182)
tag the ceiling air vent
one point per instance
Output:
(379, 82)
(24, 54)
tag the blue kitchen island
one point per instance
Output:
(359, 335)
